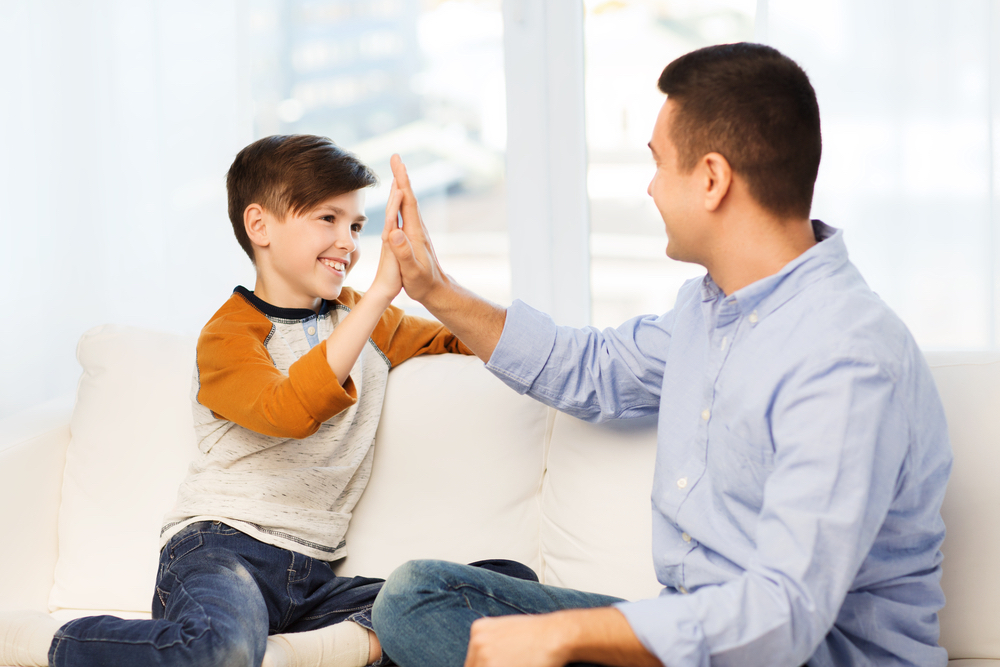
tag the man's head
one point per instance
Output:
(296, 204)
(755, 107)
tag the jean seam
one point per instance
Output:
(491, 596)
(348, 610)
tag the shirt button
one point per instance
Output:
(312, 331)
(705, 414)
(682, 482)
(682, 590)
(753, 317)
(725, 339)
(685, 537)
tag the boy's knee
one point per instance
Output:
(231, 649)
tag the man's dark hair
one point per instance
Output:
(756, 108)
(290, 174)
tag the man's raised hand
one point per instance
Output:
(419, 267)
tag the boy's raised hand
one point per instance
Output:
(418, 265)
(387, 279)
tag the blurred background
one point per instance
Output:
(120, 118)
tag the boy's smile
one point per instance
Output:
(304, 258)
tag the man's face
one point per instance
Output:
(311, 252)
(674, 192)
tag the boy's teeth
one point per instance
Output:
(339, 266)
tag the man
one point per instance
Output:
(802, 449)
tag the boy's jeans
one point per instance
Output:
(424, 612)
(219, 593)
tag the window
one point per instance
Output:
(628, 43)
(424, 79)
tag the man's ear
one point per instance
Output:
(718, 179)
(255, 225)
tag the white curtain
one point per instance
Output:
(907, 91)
(118, 121)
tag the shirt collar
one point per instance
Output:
(767, 294)
(276, 312)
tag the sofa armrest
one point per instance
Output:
(32, 456)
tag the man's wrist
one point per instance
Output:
(566, 635)
(440, 296)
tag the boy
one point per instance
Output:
(287, 394)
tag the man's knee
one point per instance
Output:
(412, 580)
(410, 586)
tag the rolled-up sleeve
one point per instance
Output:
(590, 374)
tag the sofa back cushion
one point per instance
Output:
(969, 384)
(457, 468)
(596, 530)
(132, 439)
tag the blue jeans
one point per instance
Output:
(425, 610)
(219, 593)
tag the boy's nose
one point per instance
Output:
(347, 242)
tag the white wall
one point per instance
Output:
(119, 120)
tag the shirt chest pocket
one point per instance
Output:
(739, 466)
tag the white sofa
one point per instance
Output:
(464, 469)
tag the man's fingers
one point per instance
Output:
(399, 172)
(401, 248)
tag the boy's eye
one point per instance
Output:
(357, 227)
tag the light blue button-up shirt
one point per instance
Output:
(802, 460)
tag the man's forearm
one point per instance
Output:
(604, 636)
(601, 635)
(477, 322)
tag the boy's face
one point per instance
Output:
(309, 253)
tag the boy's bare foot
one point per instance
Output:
(25, 638)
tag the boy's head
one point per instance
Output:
(290, 174)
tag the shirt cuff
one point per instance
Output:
(666, 626)
(317, 386)
(524, 347)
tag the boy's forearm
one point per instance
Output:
(477, 322)
(344, 345)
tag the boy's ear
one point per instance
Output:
(255, 225)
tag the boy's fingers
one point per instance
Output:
(392, 211)
(409, 208)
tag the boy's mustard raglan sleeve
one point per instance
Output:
(239, 382)
(401, 336)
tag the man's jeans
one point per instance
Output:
(425, 610)
(219, 593)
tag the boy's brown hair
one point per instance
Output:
(756, 108)
(290, 174)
